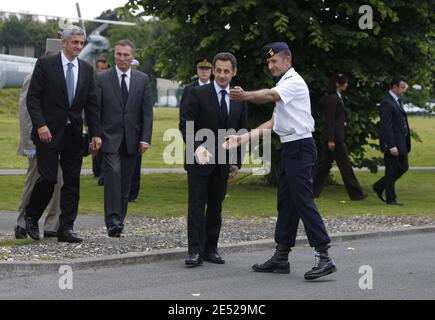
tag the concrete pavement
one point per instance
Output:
(402, 269)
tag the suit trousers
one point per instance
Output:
(53, 210)
(395, 167)
(204, 225)
(135, 182)
(118, 172)
(324, 164)
(69, 153)
(295, 195)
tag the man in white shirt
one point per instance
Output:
(293, 122)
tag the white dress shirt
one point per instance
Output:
(75, 69)
(219, 94)
(127, 78)
(292, 114)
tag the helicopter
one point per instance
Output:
(13, 69)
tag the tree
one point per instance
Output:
(324, 36)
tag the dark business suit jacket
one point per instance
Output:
(335, 120)
(47, 100)
(133, 121)
(394, 128)
(203, 108)
(185, 95)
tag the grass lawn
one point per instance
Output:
(422, 154)
(166, 195)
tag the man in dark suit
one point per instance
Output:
(203, 74)
(62, 86)
(395, 140)
(126, 120)
(334, 148)
(208, 112)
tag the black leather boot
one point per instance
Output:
(32, 227)
(278, 263)
(323, 265)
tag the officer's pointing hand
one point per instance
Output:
(237, 94)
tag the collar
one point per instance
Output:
(203, 83)
(65, 60)
(119, 72)
(394, 96)
(339, 94)
(219, 89)
(289, 73)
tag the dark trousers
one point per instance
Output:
(118, 171)
(204, 225)
(395, 167)
(135, 181)
(69, 154)
(97, 165)
(295, 195)
(324, 164)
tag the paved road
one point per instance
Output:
(402, 269)
(8, 221)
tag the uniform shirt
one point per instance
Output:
(203, 83)
(292, 114)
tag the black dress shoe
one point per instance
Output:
(50, 234)
(214, 257)
(20, 233)
(395, 202)
(32, 227)
(193, 260)
(361, 197)
(114, 232)
(379, 194)
(68, 236)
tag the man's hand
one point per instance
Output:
(143, 146)
(94, 146)
(44, 134)
(202, 155)
(238, 94)
(394, 152)
(331, 145)
(233, 141)
(233, 171)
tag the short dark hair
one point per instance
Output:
(337, 78)
(126, 42)
(225, 56)
(396, 80)
(101, 61)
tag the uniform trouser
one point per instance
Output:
(135, 181)
(324, 164)
(204, 225)
(295, 196)
(53, 210)
(118, 171)
(69, 153)
(395, 167)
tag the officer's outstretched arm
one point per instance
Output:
(233, 141)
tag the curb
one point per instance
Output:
(31, 268)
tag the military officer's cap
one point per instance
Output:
(203, 63)
(271, 49)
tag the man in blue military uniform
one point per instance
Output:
(293, 122)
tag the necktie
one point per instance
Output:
(70, 83)
(224, 107)
(124, 91)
